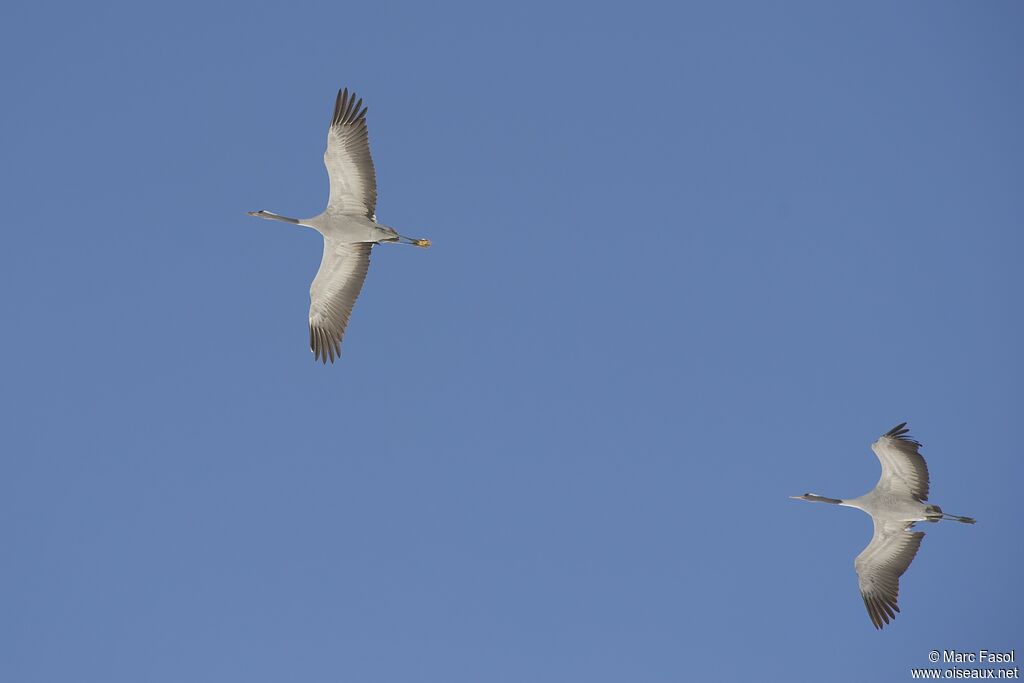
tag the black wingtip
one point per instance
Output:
(898, 430)
(348, 109)
(323, 347)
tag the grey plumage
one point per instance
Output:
(881, 564)
(897, 502)
(348, 225)
(899, 452)
(348, 160)
(333, 294)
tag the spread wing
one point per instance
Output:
(333, 294)
(880, 566)
(348, 161)
(903, 468)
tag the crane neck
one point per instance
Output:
(822, 499)
(275, 217)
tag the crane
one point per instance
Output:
(895, 504)
(348, 225)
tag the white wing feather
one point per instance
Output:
(348, 161)
(333, 294)
(904, 471)
(880, 566)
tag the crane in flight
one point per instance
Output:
(895, 504)
(348, 225)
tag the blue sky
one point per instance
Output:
(687, 262)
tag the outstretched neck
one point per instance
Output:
(822, 499)
(274, 217)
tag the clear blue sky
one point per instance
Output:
(687, 262)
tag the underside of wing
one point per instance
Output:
(880, 566)
(333, 294)
(348, 161)
(903, 468)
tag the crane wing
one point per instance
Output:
(903, 468)
(333, 294)
(880, 566)
(348, 161)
